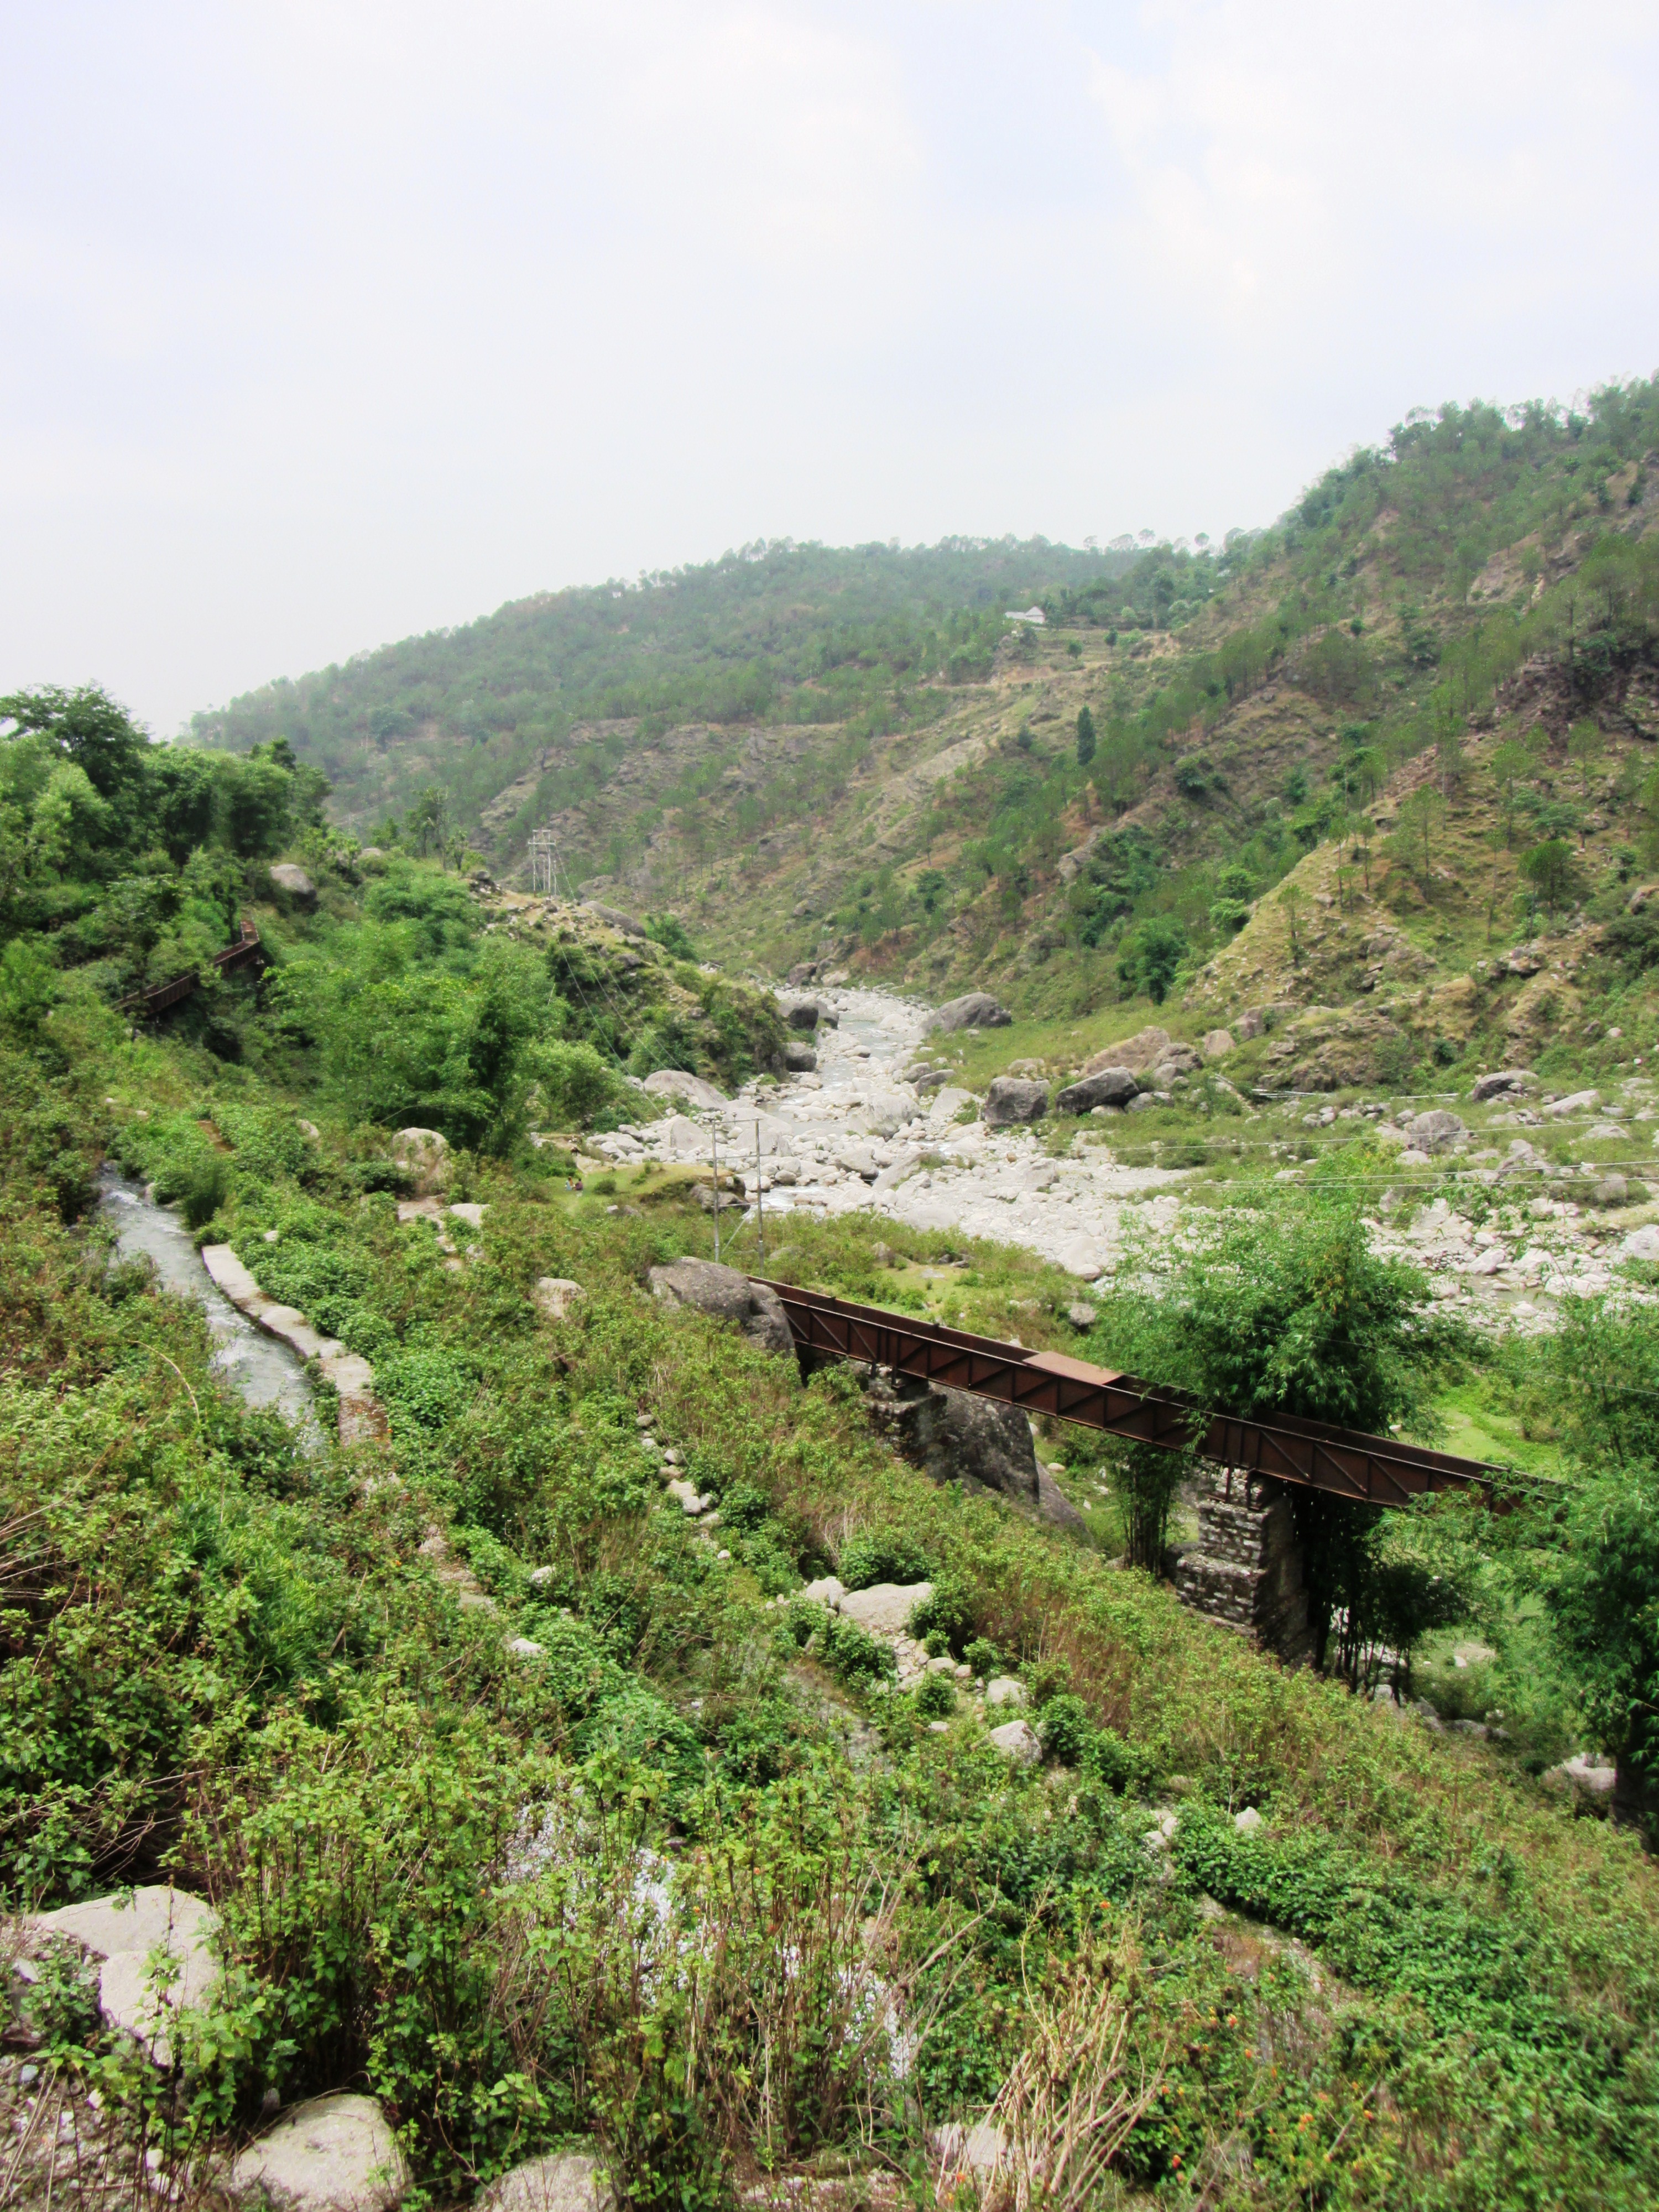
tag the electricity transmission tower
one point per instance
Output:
(544, 862)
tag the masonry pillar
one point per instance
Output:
(1246, 1568)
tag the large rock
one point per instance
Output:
(1435, 1131)
(331, 2155)
(885, 1608)
(799, 1057)
(1018, 1742)
(727, 1295)
(1013, 1098)
(1107, 1086)
(1576, 1101)
(803, 1014)
(295, 882)
(975, 1010)
(563, 2181)
(625, 922)
(556, 1295)
(956, 1437)
(1179, 1060)
(1216, 1044)
(1500, 1083)
(126, 1930)
(676, 1083)
(1641, 1244)
(1053, 1506)
(425, 1153)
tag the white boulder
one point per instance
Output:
(127, 1932)
(563, 2181)
(333, 2153)
(885, 1609)
(1018, 1741)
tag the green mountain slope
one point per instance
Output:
(861, 639)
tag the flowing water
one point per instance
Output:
(264, 1371)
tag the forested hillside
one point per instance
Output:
(862, 641)
(859, 758)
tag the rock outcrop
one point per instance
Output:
(729, 1296)
(955, 1436)
(1501, 1083)
(563, 2181)
(557, 1297)
(974, 1010)
(294, 882)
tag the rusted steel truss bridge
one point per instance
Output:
(1367, 1470)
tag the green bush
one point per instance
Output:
(1067, 1730)
(883, 1555)
(936, 1698)
(854, 1656)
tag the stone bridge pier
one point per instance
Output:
(1246, 1567)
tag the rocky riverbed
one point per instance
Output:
(865, 1131)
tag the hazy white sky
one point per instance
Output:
(328, 320)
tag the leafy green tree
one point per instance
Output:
(1146, 1479)
(1602, 1586)
(1292, 1312)
(1549, 867)
(1151, 954)
(427, 828)
(87, 728)
(1086, 737)
(668, 931)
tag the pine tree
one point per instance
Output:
(1086, 737)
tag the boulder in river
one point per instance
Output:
(729, 1296)
(799, 1057)
(803, 1014)
(1108, 1086)
(974, 1010)
(1013, 1098)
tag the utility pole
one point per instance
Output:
(715, 1137)
(544, 862)
(760, 1201)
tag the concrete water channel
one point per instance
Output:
(265, 1373)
